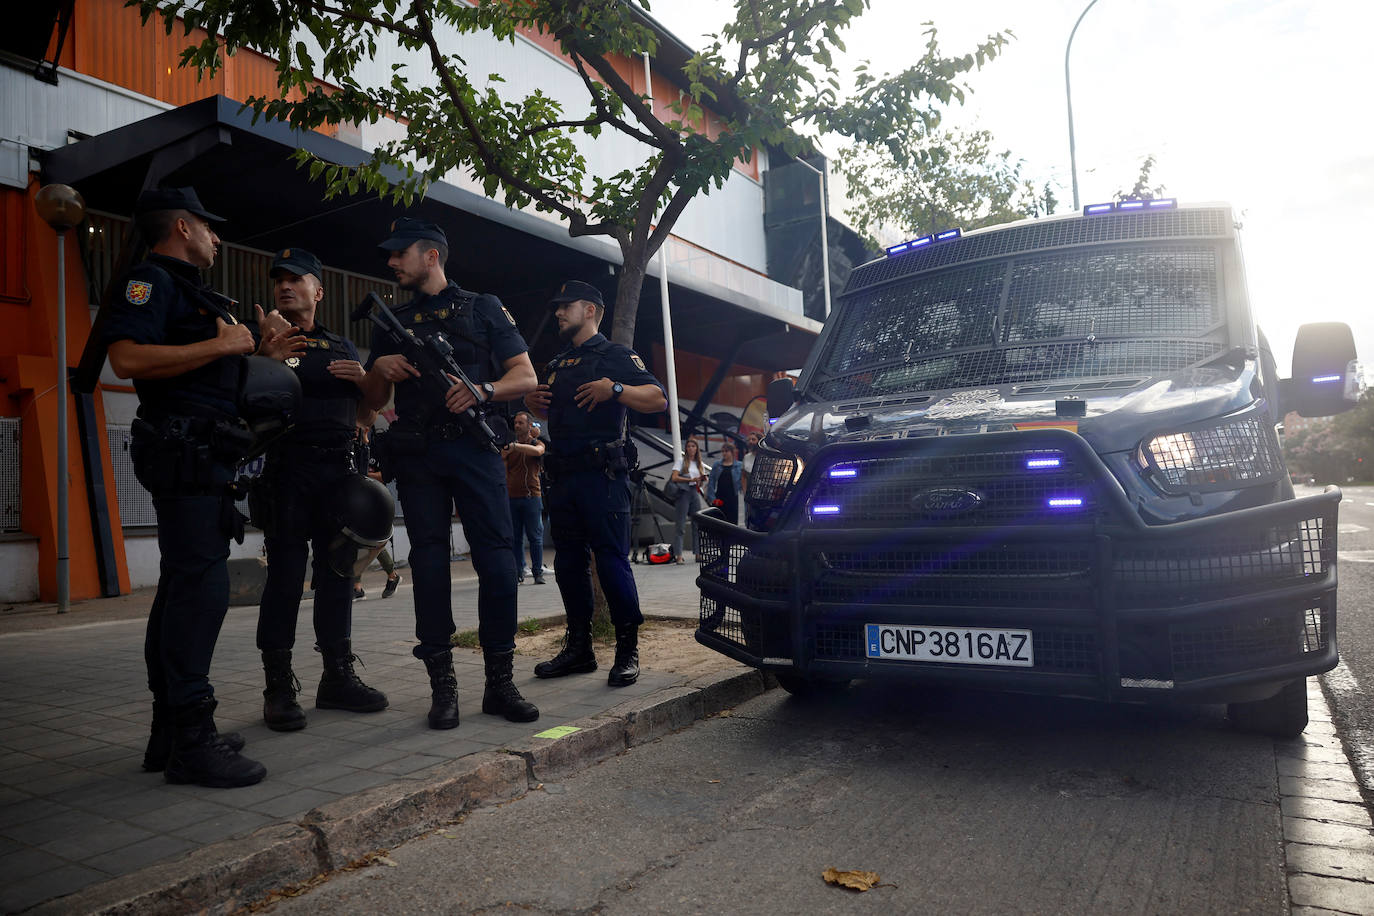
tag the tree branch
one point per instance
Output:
(576, 217)
(620, 123)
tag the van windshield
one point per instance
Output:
(1138, 309)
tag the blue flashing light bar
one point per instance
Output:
(1064, 502)
(1323, 379)
(923, 241)
(1130, 206)
(825, 510)
(842, 472)
(1033, 464)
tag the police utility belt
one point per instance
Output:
(227, 437)
(611, 457)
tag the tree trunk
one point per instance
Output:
(627, 297)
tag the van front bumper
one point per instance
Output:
(1221, 609)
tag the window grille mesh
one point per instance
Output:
(11, 464)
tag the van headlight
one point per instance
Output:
(772, 478)
(1238, 453)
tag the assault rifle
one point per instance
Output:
(433, 356)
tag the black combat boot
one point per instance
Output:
(576, 656)
(443, 707)
(160, 739)
(340, 686)
(200, 756)
(279, 707)
(625, 671)
(501, 698)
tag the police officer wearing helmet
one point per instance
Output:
(437, 464)
(312, 495)
(591, 387)
(187, 356)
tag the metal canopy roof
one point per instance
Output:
(245, 172)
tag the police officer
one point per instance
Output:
(297, 503)
(591, 387)
(437, 464)
(172, 335)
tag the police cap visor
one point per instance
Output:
(174, 199)
(406, 231)
(574, 290)
(297, 261)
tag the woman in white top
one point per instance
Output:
(691, 476)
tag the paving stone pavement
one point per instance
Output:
(76, 808)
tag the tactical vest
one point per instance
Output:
(450, 312)
(329, 406)
(214, 384)
(572, 427)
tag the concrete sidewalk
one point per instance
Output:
(79, 817)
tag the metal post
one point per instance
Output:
(63, 555)
(669, 360)
(62, 208)
(1068, 97)
(825, 237)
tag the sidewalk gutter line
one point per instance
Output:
(226, 876)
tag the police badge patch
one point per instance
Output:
(639, 363)
(138, 292)
(292, 362)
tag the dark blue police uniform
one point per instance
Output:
(302, 473)
(438, 465)
(183, 458)
(589, 490)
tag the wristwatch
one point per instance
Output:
(489, 390)
(617, 390)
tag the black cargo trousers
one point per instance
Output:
(188, 473)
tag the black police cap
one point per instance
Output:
(298, 261)
(573, 290)
(174, 199)
(406, 231)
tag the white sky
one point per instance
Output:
(1264, 104)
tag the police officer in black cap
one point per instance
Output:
(437, 464)
(173, 336)
(591, 387)
(297, 502)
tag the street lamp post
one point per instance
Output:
(1068, 97)
(825, 238)
(62, 208)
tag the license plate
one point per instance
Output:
(950, 645)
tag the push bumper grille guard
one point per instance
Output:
(1118, 609)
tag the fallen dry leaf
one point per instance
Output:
(853, 879)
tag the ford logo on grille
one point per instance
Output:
(946, 501)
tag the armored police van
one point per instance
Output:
(1043, 457)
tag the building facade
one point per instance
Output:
(94, 98)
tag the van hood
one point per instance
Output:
(1117, 413)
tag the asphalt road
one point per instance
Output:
(962, 802)
(1349, 684)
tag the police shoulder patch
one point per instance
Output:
(639, 363)
(138, 292)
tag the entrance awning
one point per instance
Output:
(245, 172)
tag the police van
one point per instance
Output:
(1043, 457)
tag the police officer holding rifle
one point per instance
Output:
(443, 450)
(203, 406)
(313, 494)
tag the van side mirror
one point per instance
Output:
(782, 394)
(1327, 378)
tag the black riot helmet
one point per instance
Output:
(364, 510)
(269, 394)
